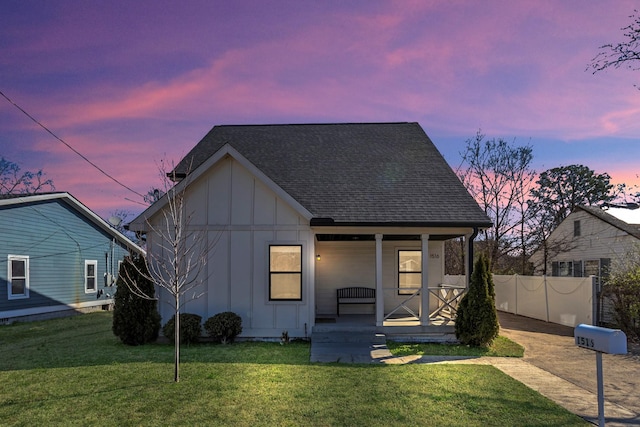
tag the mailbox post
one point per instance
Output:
(600, 340)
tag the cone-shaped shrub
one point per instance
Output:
(477, 318)
(136, 320)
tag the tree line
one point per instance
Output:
(524, 206)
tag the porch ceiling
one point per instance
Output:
(385, 237)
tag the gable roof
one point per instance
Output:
(15, 200)
(632, 229)
(351, 174)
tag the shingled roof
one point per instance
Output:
(352, 174)
(632, 229)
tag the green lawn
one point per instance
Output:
(501, 347)
(75, 372)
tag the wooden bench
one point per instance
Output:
(355, 295)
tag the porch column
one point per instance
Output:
(424, 292)
(379, 290)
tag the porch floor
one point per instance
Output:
(398, 328)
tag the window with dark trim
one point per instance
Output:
(90, 272)
(18, 274)
(592, 267)
(576, 228)
(562, 268)
(285, 272)
(409, 271)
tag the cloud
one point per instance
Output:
(153, 88)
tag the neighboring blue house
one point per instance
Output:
(56, 257)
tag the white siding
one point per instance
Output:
(243, 216)
(346, 264)
(597, 239)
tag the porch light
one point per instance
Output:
(318, 257)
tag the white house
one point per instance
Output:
(299, 211)
(588, 239)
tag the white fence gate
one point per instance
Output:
(567, 301)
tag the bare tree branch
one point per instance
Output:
(177, 255)
(624, 54)
(14, 181)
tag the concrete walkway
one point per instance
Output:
(575, 397)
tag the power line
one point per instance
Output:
(69, 146)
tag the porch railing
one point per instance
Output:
(403, 304)
(447, 296)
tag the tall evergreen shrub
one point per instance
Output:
(136, 320)
(477, 318)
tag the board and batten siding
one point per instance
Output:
(345, 264)
(241, 217)
(58, 240)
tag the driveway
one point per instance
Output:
(551, 347)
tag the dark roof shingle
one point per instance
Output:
(598, 212)
(367, 173)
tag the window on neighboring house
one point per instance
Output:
(90, 279)
(285, 272)
(577, 268)
(562, 268)
(18, 274)
(409, 271)
(605, 267)
(576, 228)
(592, 267)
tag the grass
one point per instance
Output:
(501, 347)
(75, 372)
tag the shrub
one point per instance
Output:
(224, 327)
(190, 328)
(622, 289)
(136, 320)
(477, 318)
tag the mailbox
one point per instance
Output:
(604, 340)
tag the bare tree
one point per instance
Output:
(177, 255)
(540, 224)
(454, 256)
(498, 176)
(153, 195)
(624, 54)
(15, 181)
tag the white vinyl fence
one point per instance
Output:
(567, 301)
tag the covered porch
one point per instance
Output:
(410, 294)
(399, 328)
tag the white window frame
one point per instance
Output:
(87, 263)
(10, 276)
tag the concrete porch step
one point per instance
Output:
(349, 347)
(348, 337)
(355, 329)
(423, 337)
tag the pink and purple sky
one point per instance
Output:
(130, 83)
